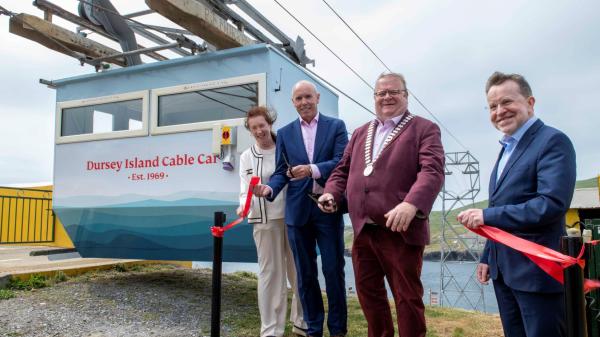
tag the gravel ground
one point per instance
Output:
(162, 301)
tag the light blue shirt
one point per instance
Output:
(510, 144)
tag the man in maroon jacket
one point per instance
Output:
(391, 173)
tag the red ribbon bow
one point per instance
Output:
(220, 231)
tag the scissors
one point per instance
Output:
(324, 203)
(288, 164)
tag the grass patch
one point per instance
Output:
(245, 275)
(239, 302)
(121, 268)
(125, 268)
(35, 281)
(6, 294)
(458, 332)
(241, 317)
(60, 276)
(461, 323)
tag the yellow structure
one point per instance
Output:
(572, 218)
(585, 200)
(26, 218)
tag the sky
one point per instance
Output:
(446, 50)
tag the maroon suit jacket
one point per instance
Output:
(410, 168)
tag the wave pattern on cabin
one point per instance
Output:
(154, 229)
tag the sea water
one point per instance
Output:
(430, 276)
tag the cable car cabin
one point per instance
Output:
(145, 155)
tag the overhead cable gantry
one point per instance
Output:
(216, 22)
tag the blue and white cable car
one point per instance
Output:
(140, 162)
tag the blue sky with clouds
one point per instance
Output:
(446, 49)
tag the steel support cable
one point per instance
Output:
(388, 68)
(321, 78)
(340, 91)
(352, 99)
(6, 11)
(324, 45)
(437, 120)
(150, 27)
(356, 34)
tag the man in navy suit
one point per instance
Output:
(308, 149)
(531, 188)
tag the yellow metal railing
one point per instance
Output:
(26, 216)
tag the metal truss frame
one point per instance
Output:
(458, 246)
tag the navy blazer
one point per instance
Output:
(330, 141)
(530, 200)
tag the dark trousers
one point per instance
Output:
(326, 231)
(530, 314)
(379, 253)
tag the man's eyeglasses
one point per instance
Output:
(383, 93)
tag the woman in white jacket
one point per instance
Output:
(275, 260)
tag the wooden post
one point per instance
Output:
(202, 21)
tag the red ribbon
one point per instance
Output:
(550, 261)
(220, 231)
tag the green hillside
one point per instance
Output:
(435, 218)
(592, 182)
(435, 223)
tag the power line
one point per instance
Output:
(310, 71)
(5, 11)
(343, 93)
(388, 68)
(323, 43)
(355, 34)
(437, 120)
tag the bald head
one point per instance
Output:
(305, 99)
(302, 84)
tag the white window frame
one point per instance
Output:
(128, 96)
(207, 125)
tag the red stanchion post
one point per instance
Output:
(215, 317)
(574, 296)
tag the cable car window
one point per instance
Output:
(102, 118)
(207, 105)
(106, 117)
